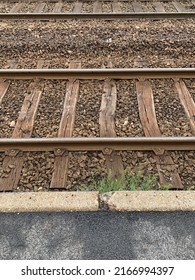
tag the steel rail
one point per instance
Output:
(89, 16)
(157, 144)
(83, 1)
(111, 73)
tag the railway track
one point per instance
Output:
(86, 10)
(64, 158)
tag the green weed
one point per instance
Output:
(130, 181)
(108, 184)
(138, 181)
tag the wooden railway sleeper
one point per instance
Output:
(25, 113)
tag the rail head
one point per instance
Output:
(62, 145)
(93, 16)
(112, 73)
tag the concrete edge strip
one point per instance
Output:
(93, 201)
(49, 201)
(150, 201)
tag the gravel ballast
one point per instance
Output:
(127, 121)
(92, 41)
(50, 109)
(87, 110)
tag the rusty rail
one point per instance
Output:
(89, 16)
(114, 73)
(83, 1)
(157, 144)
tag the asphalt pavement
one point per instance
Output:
(97, 235)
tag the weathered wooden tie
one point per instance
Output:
(137, 7)
(14, 160)
(58, 7)
(39, 8)
(179, 7)
(25, 121)
(151, 129)
(107, 127)
(116, 8)
(16, 8)
(4, 84)
(187, 103)
(77, 7)
(59, 177)
(97, 7)
(159, 7)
